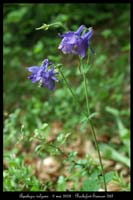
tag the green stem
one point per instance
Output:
(86, 93)
(92, 127)
(99, 155)
(91, 124)
(70, 89)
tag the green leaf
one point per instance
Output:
(72, 155)
(85, 119)
(111, 153)
(37, 133)
(113, 111)
(109, 176)
(38, 147)
(60, 138)
(93, 115)
(44, 126)
(90, 185)
(61, 184)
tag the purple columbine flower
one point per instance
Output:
(76, 42)
(43, 75)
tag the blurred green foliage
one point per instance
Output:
(25, 104)
(24, 46)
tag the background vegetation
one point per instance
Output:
(43, 129)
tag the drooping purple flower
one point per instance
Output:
(76, 42)
(46, 77)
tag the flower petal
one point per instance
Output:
(76, 42)
(43, 74)
(88, 35)
(33, 69)
(80, 29)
